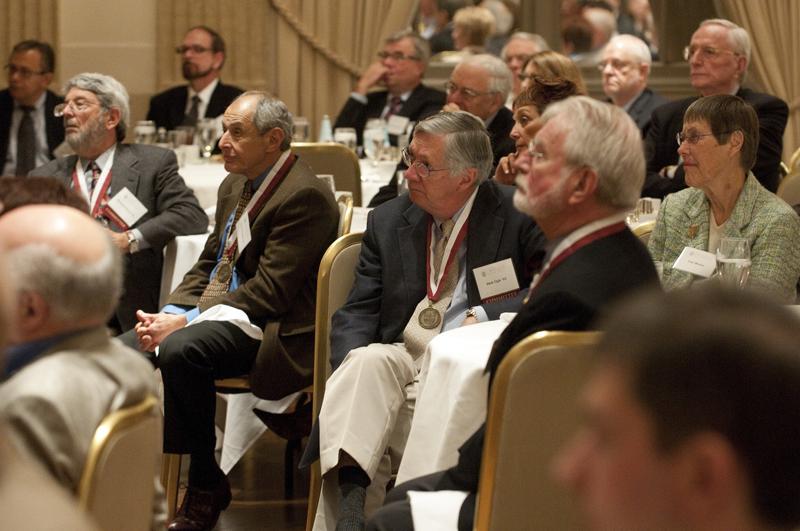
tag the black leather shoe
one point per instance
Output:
(200, 508)
(290, 426)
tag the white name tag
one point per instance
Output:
(696, 262)
(243, 232)
(127, 206)
(496, 279)
(397, 124)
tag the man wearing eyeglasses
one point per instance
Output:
(625, 67)
(718, 56)
(134, 190)
(28, 130)
(417, 276)
(202, 56)
(401, 97)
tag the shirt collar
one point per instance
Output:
(20, 356)
(555, 247)
(205, 94)
(101, 160)
(37, 106)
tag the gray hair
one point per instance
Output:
(110, 93)
(535, 38)
(270, 113)
(635, 46)
(740, 39)
(421, 47)
(500, 77)
(74, 291)
(466, 142)
(602, 137)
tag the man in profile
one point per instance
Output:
(692, 417)
(202, 57)
(29, 132)
(401, 97)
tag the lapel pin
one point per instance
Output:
(692, 231)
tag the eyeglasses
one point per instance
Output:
(468, 93)
(706, 52)
(397, 56)
(615, 64)
(422, 169)
(22, 71)
(694, 138)
(194, 48)
(78, 105)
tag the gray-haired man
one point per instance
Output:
(414, 279)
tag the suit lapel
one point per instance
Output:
(124, 173)
(483, 238)
(178, 110)
(6, 108)
(412, 239)
(697, 222)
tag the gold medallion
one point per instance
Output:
(224, 272)
(430, 318)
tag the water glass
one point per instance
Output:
(302, 131)
(144, 132)
(733, 262)
(346, 136)
(374, 138)
(206, 136)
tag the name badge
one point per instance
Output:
(496, 279)
(243, 232)
(397, 124)
(127, 206)
(696, 262)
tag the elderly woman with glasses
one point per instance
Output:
(718, 146)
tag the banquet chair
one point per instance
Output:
(643, 230)
(336, 275)
(345, 203)
(789, 189)
(334, 159)
(532, 413)
(116, 487)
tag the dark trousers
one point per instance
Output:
(395, 515)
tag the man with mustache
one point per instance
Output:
(202, 56)
(134, 190)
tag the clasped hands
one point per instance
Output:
(153, 328)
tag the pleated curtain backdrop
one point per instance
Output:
(773, 29)
(27, 19)
(306, 52)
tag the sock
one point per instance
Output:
(353, 483)
(204, 473)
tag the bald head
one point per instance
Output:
(64, 268)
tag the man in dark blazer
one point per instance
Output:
(449, 157)
(30, 71)
(399, 68)
(95, 118)
(625, 68)
(249, 300)
(718, 56)
(479, 84)
(203, 54)
(593, 258)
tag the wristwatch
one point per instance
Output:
(472, 313)
(133, 243)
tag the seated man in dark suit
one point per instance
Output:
(28, 130)
(692, 417)
(400, 68)
(625, 67)
(718, 55)
(379, 335)
(583, 173)
(133, 189)
(248, 302)
(203, 54)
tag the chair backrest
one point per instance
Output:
(789, 189)
(117, 484)
(335, 278)
(345, 202)
(532, 412)
(334, 159)
(643, 230)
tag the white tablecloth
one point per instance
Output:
(204, 179)
(373, 176)
(451, 398)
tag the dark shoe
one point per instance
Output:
(200, 508)
(290, 426)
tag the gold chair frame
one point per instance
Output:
(347, 177)
(643, 230)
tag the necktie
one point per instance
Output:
(395, 104)
(192, 116)
(219, 286)
(26, 143)
(92, 175)
(415, 337)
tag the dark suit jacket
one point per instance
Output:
(151, 174)
(54, 127)
(421, 103)
(168, 108)
(661, 148)
(641, 110)
(387, 289)
(279, 275)
(569, 298)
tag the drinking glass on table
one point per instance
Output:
(374, 138)
(733, 261)
(207, 136)
(302, 131)
(144, 132)
(346, 136)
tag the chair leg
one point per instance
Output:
(170, 480)
(314, 488)
(292, 449)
